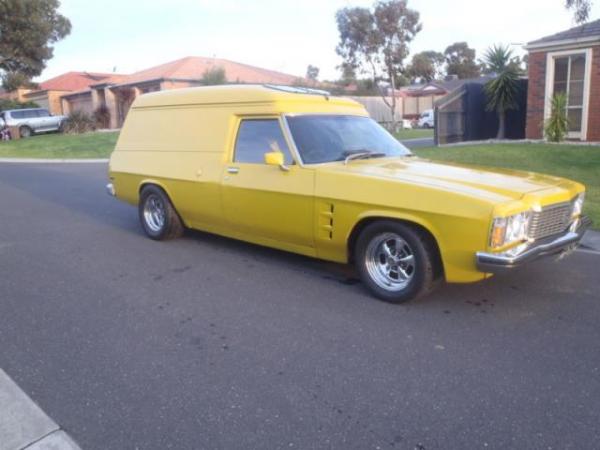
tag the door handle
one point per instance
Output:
(232, 170)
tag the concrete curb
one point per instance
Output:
(591, 240)
(519, 141)
(23, 424)
(51, 161)
(416, 139)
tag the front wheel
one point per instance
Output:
(396, 262)
(25, 132)
(157, 215)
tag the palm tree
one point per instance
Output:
(503, 90)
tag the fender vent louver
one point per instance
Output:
(326, 221)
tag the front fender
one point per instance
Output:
(458, 237)
(403, 216)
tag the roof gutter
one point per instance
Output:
(44, 91)
(562, 43)
(77, 93)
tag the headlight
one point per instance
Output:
(506, 230)
(578, 205)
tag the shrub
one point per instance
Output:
(102, 116)
(79, 122)
(557, 125)
(7, 103)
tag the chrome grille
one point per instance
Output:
(552, 219)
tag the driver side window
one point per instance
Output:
(259, 136)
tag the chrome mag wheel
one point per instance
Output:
(154, 213)
(390, 262)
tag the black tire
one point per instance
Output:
(158, 226)
(25, 131)
(413, 279)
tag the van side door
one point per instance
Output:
(263, 201)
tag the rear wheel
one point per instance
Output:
(157, 215)
(25, 131)
(396, 262)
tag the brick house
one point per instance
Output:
(567, 62)
(117, 94)
(48, 93)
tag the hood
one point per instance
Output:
(500, 184)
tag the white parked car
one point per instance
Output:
(427, 119)
(32, 120)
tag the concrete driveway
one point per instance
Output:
(211, 343)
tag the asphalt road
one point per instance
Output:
(210, 343)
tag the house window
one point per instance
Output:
(568, 74)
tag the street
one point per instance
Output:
(206, 342)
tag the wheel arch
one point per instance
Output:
(163, 187)
(153, 182)
(415, 222)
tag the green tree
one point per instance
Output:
(213, 76)
(348, 74)
(503, 90)
(312, 72)
(516, 63)
(28, 28)
(460, 61)
(580, 8)
(375, 41)
(426, 66)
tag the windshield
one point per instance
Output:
(326, 138)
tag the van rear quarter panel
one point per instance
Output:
(182, 149)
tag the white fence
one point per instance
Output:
(406, 107)
(377, 108)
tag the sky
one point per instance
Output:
(131, 35)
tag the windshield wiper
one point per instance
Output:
(360, 154)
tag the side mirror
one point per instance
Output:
(276, 159)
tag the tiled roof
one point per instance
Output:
(444, 86)
(113, 78)
(591, 29)
(74, 81)
(193, 68)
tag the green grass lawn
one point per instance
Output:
(579, 163)
(61, 146)
(415, 133)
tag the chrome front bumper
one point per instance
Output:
(500, 262)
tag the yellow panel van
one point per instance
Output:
(306, 172)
